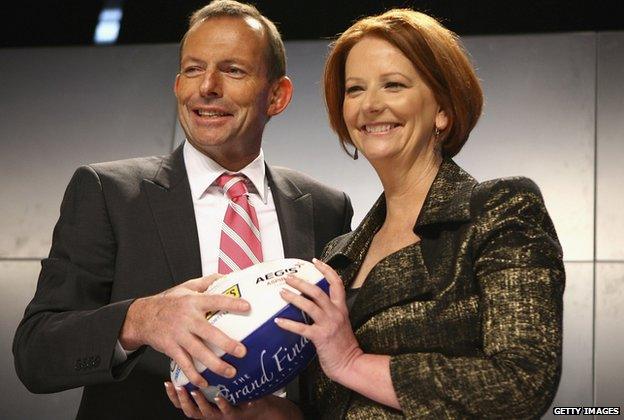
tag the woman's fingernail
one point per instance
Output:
(167, 385)
(194, 394)
(314, 260)
(178, 388)
(230, 372)
(277, 320)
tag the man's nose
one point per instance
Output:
(211, 84)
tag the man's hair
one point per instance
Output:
(275, 52)
(435, 52)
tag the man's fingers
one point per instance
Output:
(184, 361)
(202, 283)
(200, 352)
(213, 303)
(216, 337)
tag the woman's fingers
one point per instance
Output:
(294, 327)
(171, 393)
(336, 287)
(187, 405)
(224, 406)
(304, 304)
(207, 410)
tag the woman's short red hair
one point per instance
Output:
(436, 53)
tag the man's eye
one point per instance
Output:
(235, 71)
(192, 71)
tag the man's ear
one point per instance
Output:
(175, 84)
(281, 93)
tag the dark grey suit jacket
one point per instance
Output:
(127, 229)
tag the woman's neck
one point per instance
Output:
(405, 189)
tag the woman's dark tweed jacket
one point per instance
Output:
(471, 316)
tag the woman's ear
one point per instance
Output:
(441, 120)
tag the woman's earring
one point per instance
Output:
(355, 154)
(436, 133)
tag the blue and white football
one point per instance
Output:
(274, 356)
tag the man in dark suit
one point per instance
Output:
(118, 295)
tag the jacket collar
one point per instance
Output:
(295, 214)
(448, 201)
(169, 197)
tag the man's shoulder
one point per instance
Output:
(305, 182)
(139, 168)
(125, 175)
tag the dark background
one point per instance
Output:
(72, 22)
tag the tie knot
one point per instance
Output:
(233, 185)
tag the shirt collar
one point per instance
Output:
(203, 172)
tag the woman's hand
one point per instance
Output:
(196, 406)
(331, 333)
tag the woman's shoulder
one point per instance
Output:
(506, 193)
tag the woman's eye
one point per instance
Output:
(394, 85)
(353, 89)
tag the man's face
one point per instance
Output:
(223, 91)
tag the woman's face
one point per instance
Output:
(388, 109)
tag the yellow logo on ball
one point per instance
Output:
(233, 291)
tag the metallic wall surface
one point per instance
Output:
(65, 107)
(609, 283)
(551, 102)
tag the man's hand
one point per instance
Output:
(174, 323)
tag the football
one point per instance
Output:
(274, 356)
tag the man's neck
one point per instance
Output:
(231, 160)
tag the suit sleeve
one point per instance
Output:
(519, 271)
(348, 215)
(69, 331)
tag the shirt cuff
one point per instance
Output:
(121, 354)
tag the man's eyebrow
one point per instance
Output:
(192, 59)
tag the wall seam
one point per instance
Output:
(596, 60)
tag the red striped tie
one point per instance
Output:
(240, 232)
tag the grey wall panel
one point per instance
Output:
(575, 388)
(609, 338)
(538, 122)
(300, 138)
(18, 280)
(63, 107)
(610, 148)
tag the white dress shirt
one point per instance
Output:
(210, 204)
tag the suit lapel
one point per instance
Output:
(169, 196)
(295, 213)
(402, 276)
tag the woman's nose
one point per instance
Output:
(373, 102)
